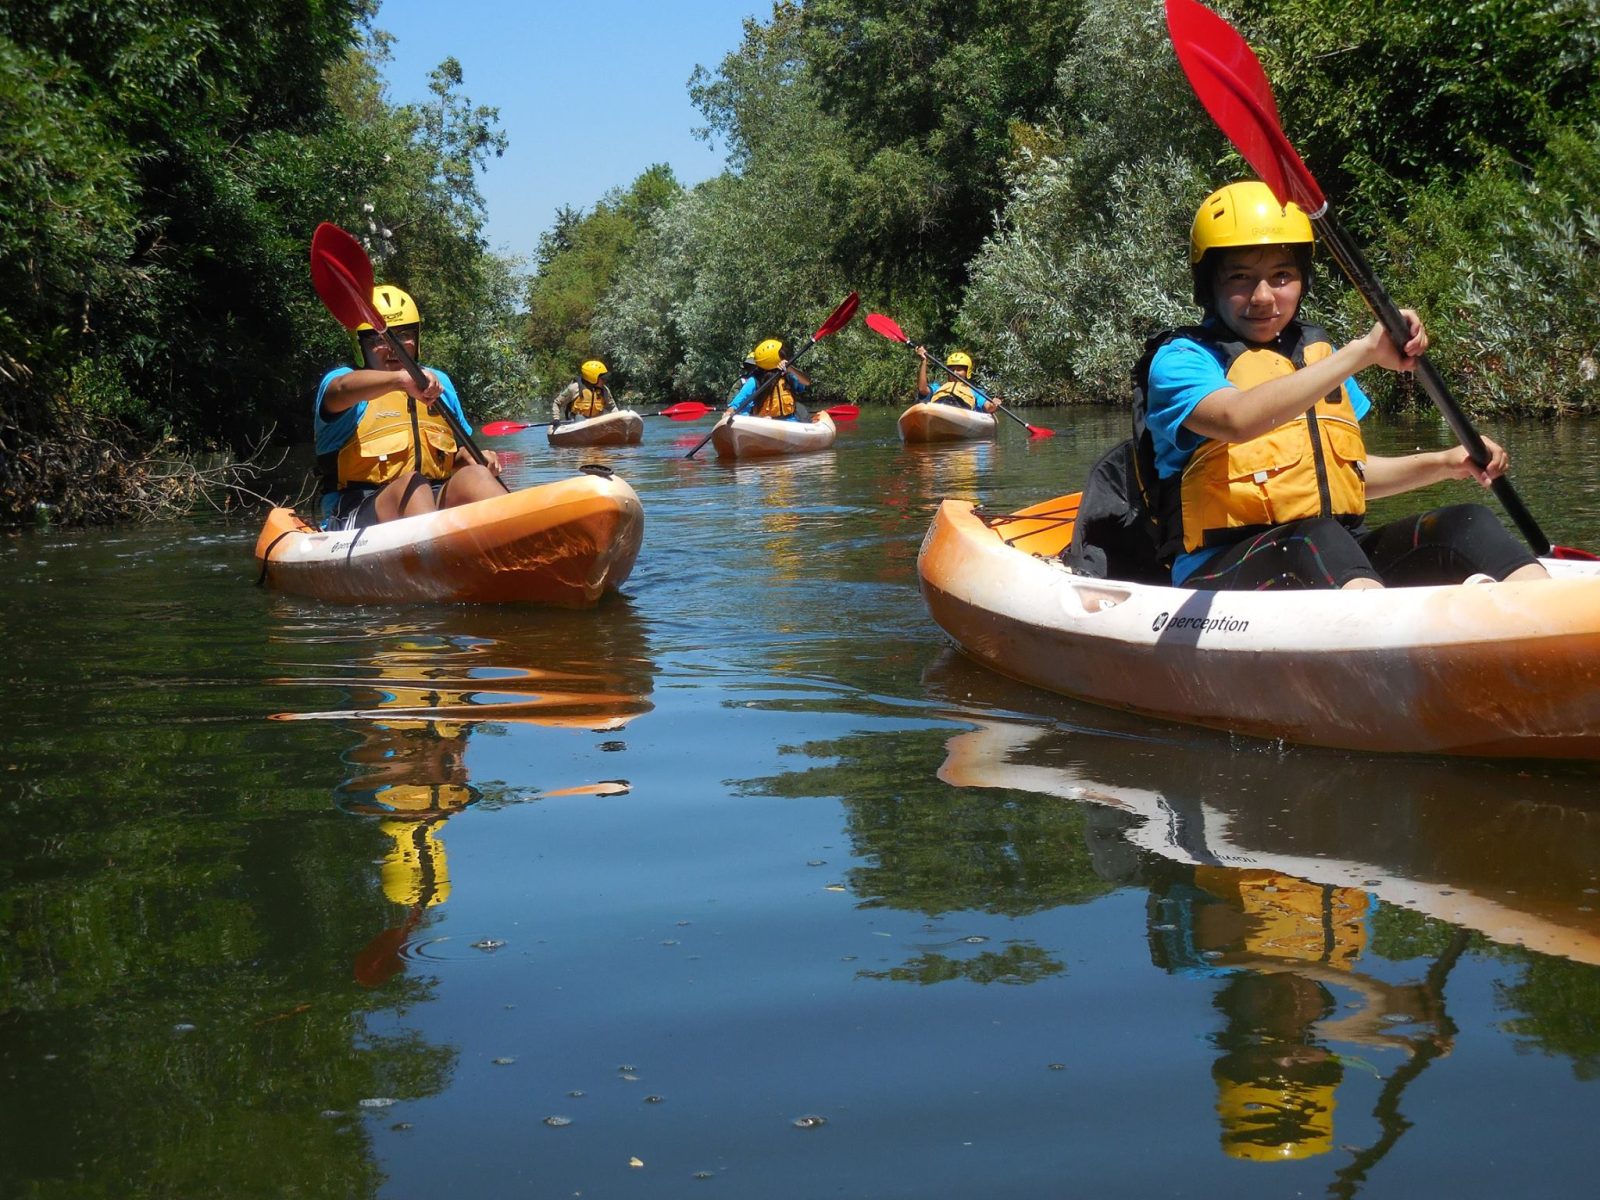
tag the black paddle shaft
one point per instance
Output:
(1359, 271)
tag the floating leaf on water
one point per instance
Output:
(670, 942)
(557, 1122)
(183, 1027)
(378, 1102)
(1058, 1066)
(975, 939)
(635, 1161)
(487, 945)
(575, 1093)
(704, 1175)
(330, 1114)
(401, 1126)
(504, 1062)
(627, 1067)
(816, 862)
(810, 1121)
(654, 1099)
(631, 1078)
(834, 887)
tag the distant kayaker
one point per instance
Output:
(960, 391)
(781, 398)
(1254, 418)
(384, 449)
(587, 396)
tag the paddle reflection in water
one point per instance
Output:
(414, 705)
(1293, 880)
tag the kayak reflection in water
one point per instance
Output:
(1286, 952)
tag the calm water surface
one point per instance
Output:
(743, 884)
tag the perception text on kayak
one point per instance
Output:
(1223, 624)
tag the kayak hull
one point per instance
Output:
(1503, 669)
(565, 544)
(931, 422)
(763, 437)
(621, 427)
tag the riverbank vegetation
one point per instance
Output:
(1012, 176)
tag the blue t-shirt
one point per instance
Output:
(748, 388)
(1183, 373)
(332, 433)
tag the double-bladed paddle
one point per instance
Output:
(887, 327)
(1231, 84)
(342, 274)
(837, 320)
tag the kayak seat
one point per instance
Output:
(1115, 533)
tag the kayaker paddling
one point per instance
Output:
(587, 396)
(780, 401)
(1254, 419)
(384, 448)
(959, 390)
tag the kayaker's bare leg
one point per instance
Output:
(470, 484)
(1534, 570)
(1360, 585)
(407, 495)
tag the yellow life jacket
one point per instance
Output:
(1311, 466)
(778, 402)
(397, 434)
(590, 402)
(952, 392)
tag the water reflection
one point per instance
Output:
(414, 705)
(1295, 881)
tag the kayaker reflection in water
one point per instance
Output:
(384, 450)
(960, 391)
(1286, 954)
(1254, 418)
(587, 396)
(782, 382)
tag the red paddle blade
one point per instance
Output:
(342, 274)
(1231, 84)
(843, 412)
(881, 324)
(502, 428)
(1039, 431)
(1573, 553)
(839, 318)
(686, 410)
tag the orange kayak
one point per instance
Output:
(565, 543)
(932, 422)
(1493, 669)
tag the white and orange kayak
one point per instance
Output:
(764, 437)
(930, 421)
(565, 543)
(619, 427)
(1501, 669)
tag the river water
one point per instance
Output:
(745, 884)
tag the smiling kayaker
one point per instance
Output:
(959, 391)
(781, 400)
(587, 396)
(1255, 421)
(384, 450)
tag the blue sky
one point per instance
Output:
(590, 92)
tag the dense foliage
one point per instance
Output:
(1019, 178)
(165, 165)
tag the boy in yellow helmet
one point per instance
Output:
(587, 396)
(384, 450)
(781, 399)
(1255, 422)
(960, 391)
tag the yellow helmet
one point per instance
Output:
(959, 358)
(1245, 214)
(592, 370)
(394, 306)
(768, 354)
